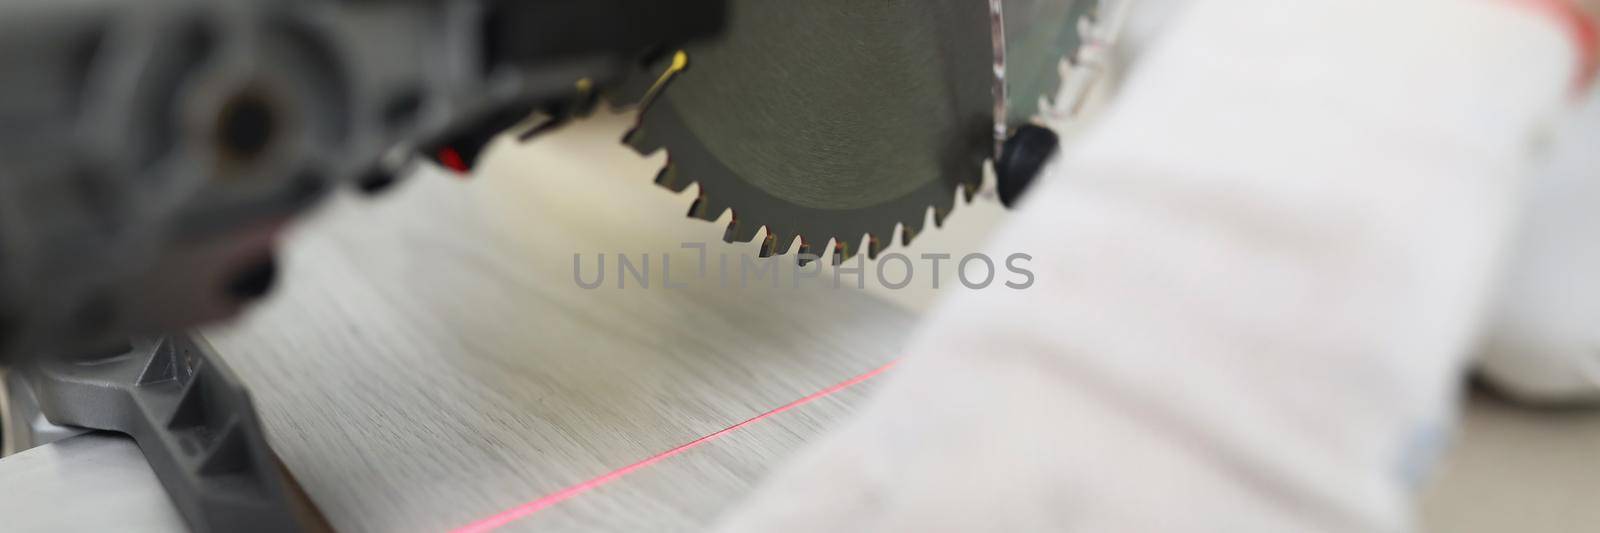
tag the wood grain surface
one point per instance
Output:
(430, 359)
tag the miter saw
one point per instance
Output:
(153, 150)
(839, 122)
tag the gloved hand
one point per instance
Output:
(1258, 279)
(1543, 343)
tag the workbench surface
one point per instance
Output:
(429, 361)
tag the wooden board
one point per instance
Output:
(93, 482)
(430, 359)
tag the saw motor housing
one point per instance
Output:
(151, 151)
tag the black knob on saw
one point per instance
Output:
(254, 280)
(376, 180)
(1021, 158)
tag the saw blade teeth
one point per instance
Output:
(789, 242)
(946, 206)
(706, 208)
(843, 250)
(875, 245)
(670, 179)
(969, 191)
(909, 231)
(698, 208)
(740, 232)
(769, 244)
(940, 213)
(804, 255)
(692, 127)
(641, 142)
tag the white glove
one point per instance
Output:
(1544, 343)
(1257, 281)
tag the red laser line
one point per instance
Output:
(521, 511)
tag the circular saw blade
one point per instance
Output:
(828, 119)
(1040, 34)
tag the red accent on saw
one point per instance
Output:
(521, 511)
(452, 160)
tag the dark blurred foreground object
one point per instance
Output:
(191, 418)
(151, 150)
